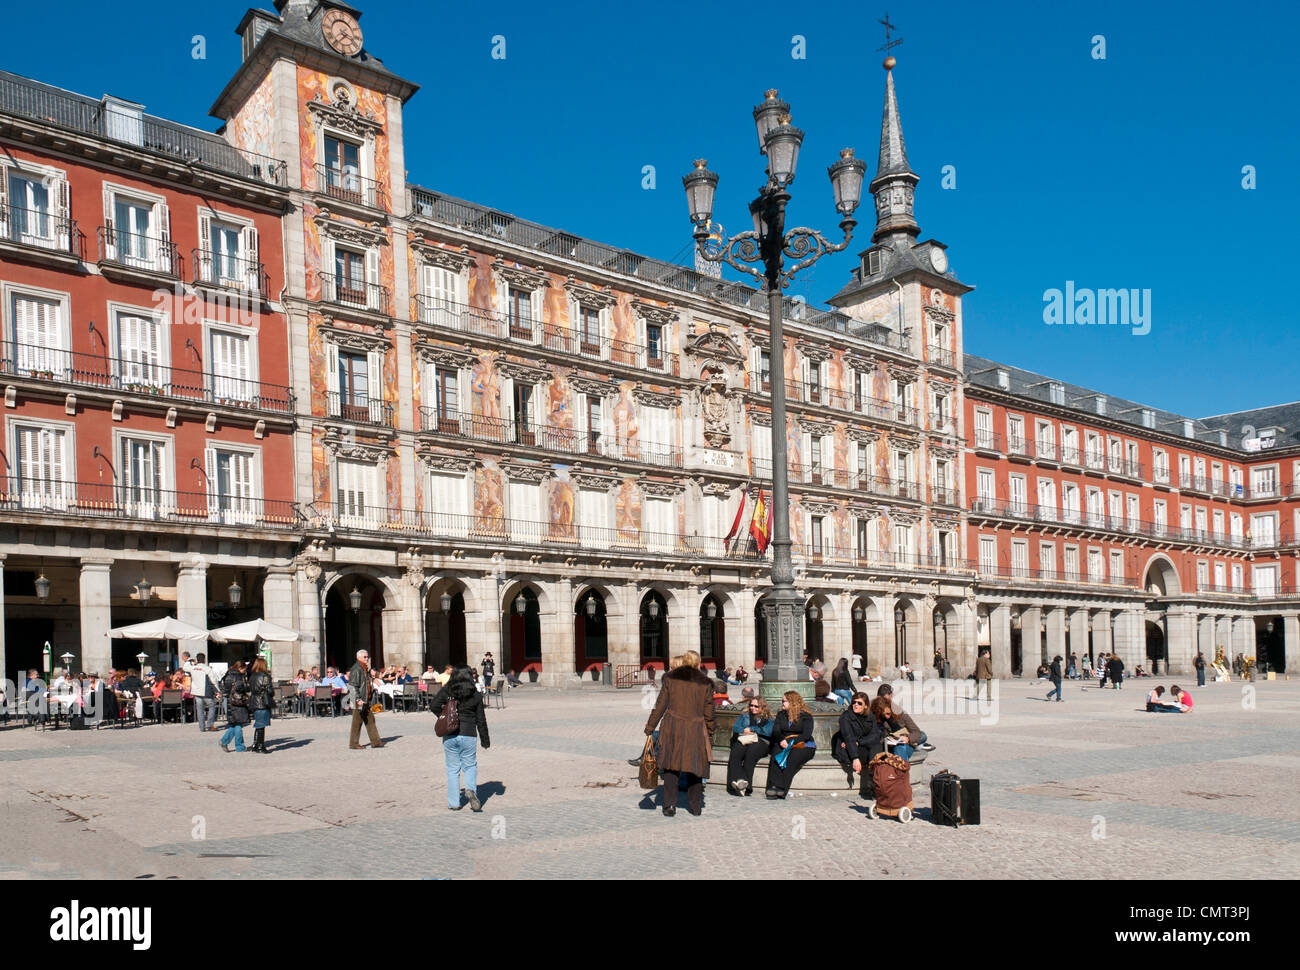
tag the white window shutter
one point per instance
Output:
(248, 252)
(503, 299)
(59, 202)
(507, 392)
(536, 304)
(109, 241)
(164, 259)
(205, 267)
(375, 380)
(332, 404)
(372, 280)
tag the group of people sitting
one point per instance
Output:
(1179, 702)
(867, 728)
(100, 697)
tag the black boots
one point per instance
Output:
(259, 741)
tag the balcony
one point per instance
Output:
(1003, 572)
(1017, 447)
(1045, 450)
(359, 409)
(116, 375)
(106, 500)
(1070, 455)
(459, 318)
(944, 496)
(1160, 475)
(353, 293)
(39, 232)
(825, 555)
(350, 188)
(228, 272)
(941, 356)
(1194, 483)
(987, 441)
(46, 105)
(569, 441)
(942, 422)
(140, 258)
(1122, 468)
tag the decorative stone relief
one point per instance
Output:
(522, 372)
(522, 279)
(446, 462)
(525, 473)
(660, 315)
(654, 398)
(661, 488)
(815, 352)
(716, 412)
(369, 235)
(817, 427)
(456, 260)
(445, 356)
(588, 296)
(358, 340)
(345, 116)
(600, 482)
(762, 419)
(861, 434)
(714, 345)
(589, 385)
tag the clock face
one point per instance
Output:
(342, 32)
(938, 259)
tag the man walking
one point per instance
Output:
(1200, 669)
(204, 690)
(1055, 676)
(984, 675)
(1115, 669)
(362, 692)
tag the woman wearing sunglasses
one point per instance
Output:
(857, 741)
(751, 739)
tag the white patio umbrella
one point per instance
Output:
(252, 631)
(166, 628)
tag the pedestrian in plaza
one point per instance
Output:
(1072, 667)
(204, 688)
(459, 748)
(842, 681)
(363, 694)
(489, 669)
(1054, 674)
(259, 702)
(1199, 663)
(235, 686)
(857, 741)
(1086, 668)
(792, 744)
(1103, 670)
(751, 739)
(984, 675)
(685, 706)
(1115, 671)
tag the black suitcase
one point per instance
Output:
(954, 801)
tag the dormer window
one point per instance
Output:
(1004, 379)
(1056, 392)
(873, 264)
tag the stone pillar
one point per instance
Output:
(920, 643)
(1180, 624)
(1000, 639)
(1101, 635)
(838, 636)
(1130, 627)
(1243, 636)
(484, 629)
(4, 660)
(1031, 640)
(402, 626)
(683, 621)
(192, 593)
(1078, 635)
(1056, 618)
(96, 616)
(558, 658)
(306, 588)
(1223, 638)
(277, 608)
(1205, 641)
(743, 651)
(880, 637)
(1290, 639)
(962, 652)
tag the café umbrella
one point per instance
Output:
(255, 631)
(166, 628)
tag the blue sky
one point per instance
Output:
(1123, 172)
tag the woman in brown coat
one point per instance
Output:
(685, 706)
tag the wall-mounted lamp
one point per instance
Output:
(445, 602)
(521, 604)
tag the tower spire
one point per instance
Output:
(895, 181)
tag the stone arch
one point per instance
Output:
(392, 585)
(1160, 576)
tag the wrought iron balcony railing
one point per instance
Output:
(107, 500)
(359, 409)
(353, 293)
(38, 362)
(152, 254)
(39, 229)
(25, 98)
(987, 440)
(941, 356)
(220, 269)
(351, 187)
(569, 441)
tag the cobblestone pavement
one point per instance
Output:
(1089, 788)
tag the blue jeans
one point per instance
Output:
(235, 731)
(845, 695)
(1056, 689)
(462, 755)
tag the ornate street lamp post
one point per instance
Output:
(767, 245)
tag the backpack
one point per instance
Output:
(238, 692)
(448, 723)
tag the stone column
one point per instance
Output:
(96, 616)
(557, 637)
(484, 628)
(880, 637)
(1180, 630)
(306, 588)
(401, 625)
(192, 593)
(1031, 640)
(963, 651)
(1223, 638)
(1000, 639)
(1078, 635)
(1056, 618)
(920, 643)
(277, 608)
(1205, 641)
(1290, 641)
(743, 653)
(1101, 637)
(684, 621)
(1130, 627)
(1243, 636)
(4, 660)
(838, 638)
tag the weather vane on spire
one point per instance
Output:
(889, 58)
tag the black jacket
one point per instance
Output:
(783, 729)
(858, 733)
(359, 684)
(470, 711)
(259, 691)
(1055, 671)
(235, 682)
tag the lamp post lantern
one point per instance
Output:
(767, 245)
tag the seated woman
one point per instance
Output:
(842, 681)
(898, 725)
(857, 741)
(1181, 698)
(822, 692)
(792, 744)
(756, 726)
(1155, 698)
(1139, 672)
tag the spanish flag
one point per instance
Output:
(758, 525)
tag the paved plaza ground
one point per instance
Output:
(1090, 788)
